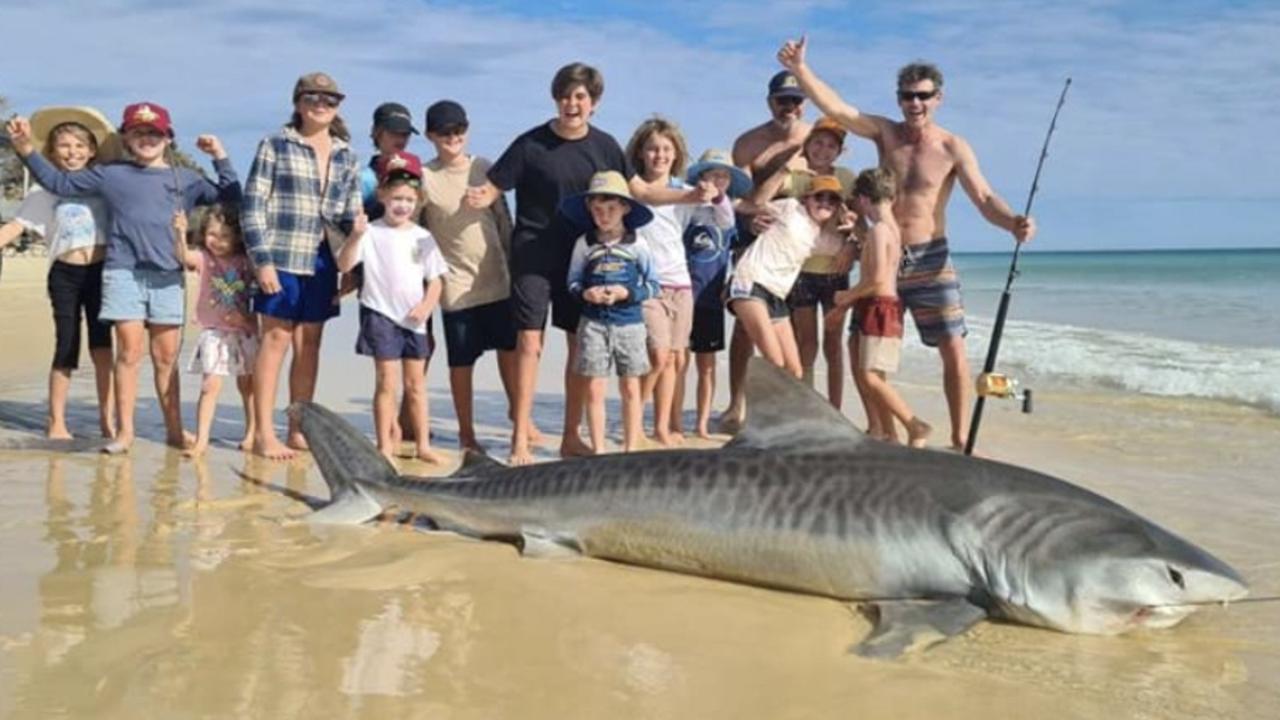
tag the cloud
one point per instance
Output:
(1169, 100)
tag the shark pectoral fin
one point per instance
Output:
(910, 625)
(351, 508)
(539, 545)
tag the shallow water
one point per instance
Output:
(151, 586)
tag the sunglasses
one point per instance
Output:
(318, 98)
(827, 198)
(921, 95)
(788, 101)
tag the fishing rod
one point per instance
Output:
(989, 383)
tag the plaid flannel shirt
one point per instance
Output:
(286, 212)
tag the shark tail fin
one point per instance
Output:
(343, 455)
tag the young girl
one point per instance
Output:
(75, 230)
(228, 343)
(658, 153)
(766, 271)
(304, 185)
(826, 271)
(142, 289)
(402, 284)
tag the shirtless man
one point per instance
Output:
(928, 160)
(761, 152)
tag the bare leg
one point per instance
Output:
(528, 351)
(804, 324)
(595, 412)
(887, 397)
(385, 407)
(165, 341)
(415, 395)
(460, 388)
(874, 428)
(575, 396)
(59, 385)
(210, 386)
(956, 381)
(303, 372)
(632, 414)
(787, 343)
(276, 339)
(244, 384)
(130, 337)
(833, 352)
(706, 362)
(740, 351)
(663, 379)
(508, 372)
(102, 362)
(681, 362)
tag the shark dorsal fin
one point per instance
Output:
(476, 464)
(783, 414)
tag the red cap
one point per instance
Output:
(399, 163)
(146, 114)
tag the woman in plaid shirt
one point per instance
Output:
(303, 186)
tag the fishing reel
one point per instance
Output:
(999, 385)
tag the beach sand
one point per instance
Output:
(152, 586)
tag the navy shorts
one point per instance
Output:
(382, 339)
(304, 298)
(471, 331)
(708, 329)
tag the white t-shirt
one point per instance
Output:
(773, 261)
(665, 237)
(66, 224)
(397, 263)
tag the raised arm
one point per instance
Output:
(10, 231)
(80, 183)
(349, 255)
(792, 57)
(227, 189)
(992, 206)
(653, 193)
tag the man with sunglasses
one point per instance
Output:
(762, 151)
(929, 160)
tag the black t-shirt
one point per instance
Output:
(543, 169)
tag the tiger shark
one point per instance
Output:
(927, 543)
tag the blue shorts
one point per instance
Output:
(471, 331)
(382, 339)
(154, 296)
(304, 298)
(929, 287)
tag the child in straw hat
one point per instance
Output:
(72, 138)
(612, 275)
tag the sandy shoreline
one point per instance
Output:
(152, 586)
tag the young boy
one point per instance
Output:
(402, 271)
(877, 311)
(391, 132)
(612, 275)
(474, 242)
(707, 240)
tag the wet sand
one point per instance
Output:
(152, 586)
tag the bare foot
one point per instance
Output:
(520, 455)
(535, 435)
(272, 449)
(470, 443)
(196, 450)
(297, 441)
(429, 456)
(668, 439)
(108, 431)
(246, 443)
(704, 432)
(58, 432)
(729, 423)
(119, 446)
(918, 432)
(572, 446)
(181, 442)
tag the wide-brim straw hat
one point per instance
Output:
(740, 182)
(44, 120)
(612, 184)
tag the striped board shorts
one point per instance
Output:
(930, 289)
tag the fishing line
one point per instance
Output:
(993, 349)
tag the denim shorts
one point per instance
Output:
(154, 296)
(603, 347)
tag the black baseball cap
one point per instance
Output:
(444, 115)
(394, 117)
(784, 84)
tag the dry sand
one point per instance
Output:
(151, 586)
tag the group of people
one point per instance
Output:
(634, 253)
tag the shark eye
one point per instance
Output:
(1176, 577)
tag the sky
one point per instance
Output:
(1167, 139)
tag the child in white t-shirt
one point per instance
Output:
(402, 284)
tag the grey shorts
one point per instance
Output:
(602, 346)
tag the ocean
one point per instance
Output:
(1178, 323)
